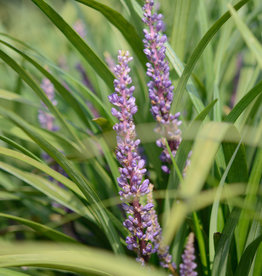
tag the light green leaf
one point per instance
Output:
(40, 228)
(76, 259)
(250, 39)
(86, 51)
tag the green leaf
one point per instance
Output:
(52, 190)
(19, 147)
(40, 228)
(213, 225)
(201, 243)
(128, 30)
(77, 259)
(26, 77)
(244, 103)
(11, 272)
(10, 96)
(248, 257)
(250, 202)
(198, 52)
(95, 62)
(8, 196)
(67, 95)
(190, 87)
(98, 210)
(181, 18)
(181, 157)
(223, 247)
(206, 145)
(250, 39)
(42, 167)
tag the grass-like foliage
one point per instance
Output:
(101, 178)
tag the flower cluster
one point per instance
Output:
(160, 85)
(143, 233)
(188, 266)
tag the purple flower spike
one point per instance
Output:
(142, 234)
(160, 86)
(188, 266)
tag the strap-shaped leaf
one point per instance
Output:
(95, 62)
(244, 103)
(198, 52)
(40, 228)
(27, 78)
(78, 259)
(128, 30)
(67, 95)
(248, 257)
(98, 210)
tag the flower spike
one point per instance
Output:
(188, 266)
(160, 85)
(142, 238)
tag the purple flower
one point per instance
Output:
(188, 265)
(142, 238)
(160, 86)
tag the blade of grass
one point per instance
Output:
(198, 52)
(77, 259)
(244, 103)
(223, 247)
(98, 210)
(86, 51)
(249, 38)
(128, 30)
(26, 77)
(206, 145)
(67, 95)
(250, 200)
(19, 147)
(213, 225)
(40, 228)
(248, 257)
(60, 195)
(11, 272)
